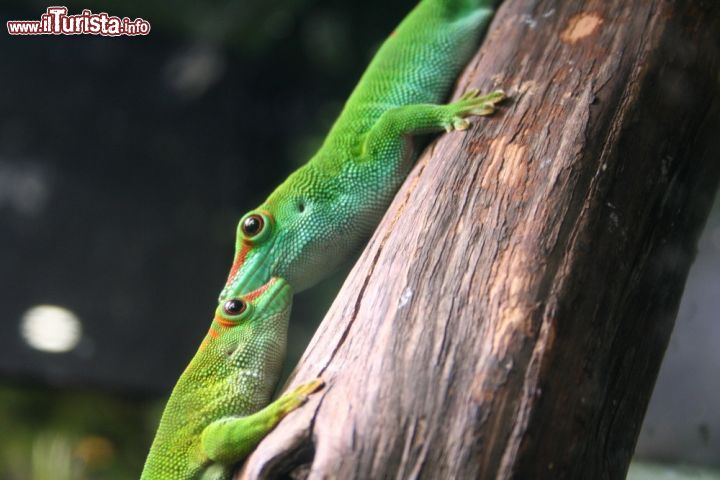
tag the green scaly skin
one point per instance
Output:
(215, 416)
(325, 210)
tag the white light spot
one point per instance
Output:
(192, 72)
(51, 328)
(249, 373)
(405, 297)
(528, 20)
(23, 186)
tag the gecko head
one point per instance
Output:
(248, 327)
(252, 265)
(284, 238)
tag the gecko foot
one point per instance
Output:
(296, 397)
(472, 103)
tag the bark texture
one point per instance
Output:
(509, 316)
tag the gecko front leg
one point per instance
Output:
(386, 136)
(231, 439)
(387, 151)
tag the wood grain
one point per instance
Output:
(509, 315)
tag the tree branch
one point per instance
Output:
(508, 317)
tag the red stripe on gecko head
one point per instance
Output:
(213, 333)
(242, 254)
(239, 260)
(256, 293)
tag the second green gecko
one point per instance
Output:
(218, 411)
(326, 209)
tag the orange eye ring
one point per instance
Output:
(256, 226)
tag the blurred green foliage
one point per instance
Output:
(73, 435)
(658, 471)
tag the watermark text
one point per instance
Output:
(56, 21)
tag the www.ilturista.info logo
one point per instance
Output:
(56, 21)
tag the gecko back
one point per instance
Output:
(417, 64)
(324, 211)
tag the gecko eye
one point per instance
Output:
(253, 225)
(234, 307)
(256, 226)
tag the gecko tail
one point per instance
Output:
(468, 12)
(462, 8)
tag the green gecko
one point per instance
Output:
(215, 416)
(217, 412)
(325, 210)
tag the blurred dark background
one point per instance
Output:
(125, 164)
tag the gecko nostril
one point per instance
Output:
(301, 206)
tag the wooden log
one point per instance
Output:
(509, 316)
